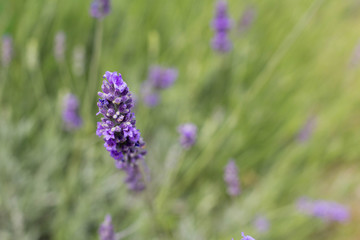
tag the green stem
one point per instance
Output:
(93, 72)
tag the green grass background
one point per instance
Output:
(249, 105)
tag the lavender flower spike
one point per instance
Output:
(262, 224)
(326, 210)
(188, 134)
(7, 50)
(106, 230)
(159, 78)
(247, 19)
(246, 237)
(221, 24)
(100, 8)
(232, 179)
(162, 78)
(59, 48)
(307, 130)
(117, 128)
(70, 113)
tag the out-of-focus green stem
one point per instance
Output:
(93, 71)
(148, 198)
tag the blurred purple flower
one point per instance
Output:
(326, 210)
(70, 113)
(134, 179)
(307, 130)
(59, 46)
(221, 24)
(7, 50)
(246, 237)
(106, 230)
(262, 224)
(162, 78)
(247, 19)
(188, 134)
(149, 95)
(117, 127)
(159, 78)
(231, 178)
(100, 8)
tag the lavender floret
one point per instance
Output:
(326, 210)
(159, 78)
(149, 95)
(106, 230)
(221, 25)
(100, 8)
(188, 135)
(262, 224)
(247, 19)
(247, 237)
(307, 130)
(162, 78)
(117, 128)
(7, 50)
(70, 113)
(232, 179)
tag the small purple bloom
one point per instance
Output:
(188, 134)
(134, 179)
(106, 230)
(117, 128)
(246, 237)
(159, 78)
(59, 48)
(70, 113)
(7, 50)
(221, 24)
(100, 8)
(232, 179)
(247, 19)
(262, 224)
(149, 95)
(162, 78)
(307, 130)
(326, 210)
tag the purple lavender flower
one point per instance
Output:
(117, 128)
(70, 113)
(106, 230)
(307, 130)
(149, 95)
(246, 237)
(59, 48)
(330, 211)
(188, 134)
(232, 179)
(100, 8)
(262, 224)
(162, 78)
(247, 19)
(221, 24)
(7, 50)
(326, 210)
(159, 78)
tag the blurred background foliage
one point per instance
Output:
(291, 65)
